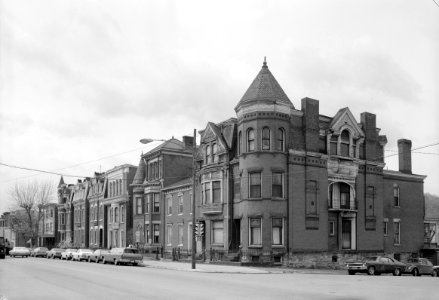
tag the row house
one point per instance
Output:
(96, 195)
(48, 225)
(163, 166)
(80, 208)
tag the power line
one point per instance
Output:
(37, 170)
(436, 3)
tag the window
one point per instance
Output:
(156, 208)
(217, 232)
(180, 204)
(395, 196)
(370, 199)
(169, 234)
(122, 214)
(277, 231)
(345, 195)
(51, 213)
(344, 143)
(311, 197)
(280, 139)
(215, 152)
(206, 193)
(331, 228)
(240, 142)
(277, 188)
(396, 232)
(265, 138)
(255, 232)
(207, 154)
(385, 227)
(148, 203)
(156, 228)
(122, 238)
(180, 234)
(250, 140)
(147, 233)
(333, 144)
(139, 205)
(63, 218)
(255, 185)
(169, 204)
(216, 192)
(116, 214)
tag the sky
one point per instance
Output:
(81, 82)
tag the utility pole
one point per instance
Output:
(194, 244)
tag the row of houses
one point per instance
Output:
(273, 184)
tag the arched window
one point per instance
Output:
(281, 139)
(250, 140)
(344, 143)
(214, 152)
(265, 138)
(239, 143)
(207, 154)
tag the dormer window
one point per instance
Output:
(250, 140)
(265, 138)
(207, 154)
(344, 143)
(214, 152)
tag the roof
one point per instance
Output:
(140, 173)
(171, 144)
(184, 182)
(264, 87)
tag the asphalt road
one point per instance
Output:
(39, 278)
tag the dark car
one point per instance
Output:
(376, 265)
(55, 253)
(97, 255)
(39, 252)
(435, 271)
(420, 266)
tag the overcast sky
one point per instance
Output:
(82, 81)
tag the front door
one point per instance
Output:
(346, 234)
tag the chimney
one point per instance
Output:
(310, 122)
(188, 142)
(405, 156)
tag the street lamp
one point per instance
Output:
(194, 243)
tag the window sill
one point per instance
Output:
(279, 198)
(277, 246)
(397, 245)
(255, 246)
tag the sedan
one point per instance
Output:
(97, 256)
(81, 254)
(19, 251)
(420, 266)
(375, 265)
(55, 253)
(68, 254)
(40, 251)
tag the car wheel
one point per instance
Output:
(397, 272)
(371, 270)
(89, 260)
(97, 260)
(415, 272)
(434, 274)
(116, 262)
(104, 261)
(349, 272)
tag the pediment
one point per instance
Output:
(212, 133)
(344, 119)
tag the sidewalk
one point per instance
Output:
(215, 268)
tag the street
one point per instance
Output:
(40, 278)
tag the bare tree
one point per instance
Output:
(31, 197)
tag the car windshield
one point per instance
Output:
(369, 258)
(131, 251)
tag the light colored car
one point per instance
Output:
(420, 266)
(19, 251)
(55, 253)
(68, 254)
(97, 256)
(81, 254)
(120, 256)
(39, 252)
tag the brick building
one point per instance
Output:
(279, 182)
(80, 207)
(159, 168)
(96, 195)
(48, 226)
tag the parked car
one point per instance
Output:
(375, 265)
(19, 251)
(40, 251)
(97, 255)
(435, 271)
(420, 266)
(68, 254)
(55, 253)
(81, 254)
(122, 256)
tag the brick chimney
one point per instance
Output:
(188, 142)
(405, 156)
(310, 121)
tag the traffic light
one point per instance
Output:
(199, 229)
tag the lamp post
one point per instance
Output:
(194, 244)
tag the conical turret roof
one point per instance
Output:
(264, 87)
(139, 177)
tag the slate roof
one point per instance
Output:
(264, 87)
(140, 173)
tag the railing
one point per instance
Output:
(348, 205)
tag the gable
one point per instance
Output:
(344, 119)
(212, 133)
